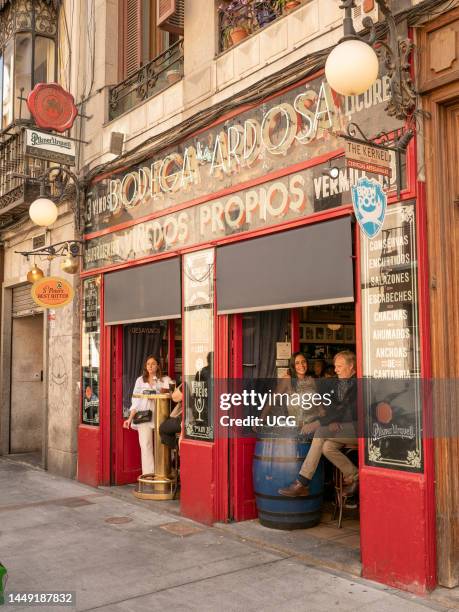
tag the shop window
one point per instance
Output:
(238, 19)
(150, 51)
(28, 33)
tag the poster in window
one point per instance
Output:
(391, 353)
(198, 330)
(91, 351)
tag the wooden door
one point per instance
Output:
(125, 442)
(242, 496)
(442, 190)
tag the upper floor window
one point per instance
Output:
(28, 49)
(240, 18)
(150, 50)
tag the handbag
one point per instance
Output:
(142, 416)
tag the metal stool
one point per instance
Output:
(338, 480)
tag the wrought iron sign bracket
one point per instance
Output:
(58, 249)
(398, 147)
(395, 54)
(44, 181)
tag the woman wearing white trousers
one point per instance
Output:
(151, 378)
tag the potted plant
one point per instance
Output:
(236, 21)
(173, 75)
(291, 4)
(265, 12)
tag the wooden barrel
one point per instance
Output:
(276, 464)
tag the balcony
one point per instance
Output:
(238, 19)
(161, 72)
(15, 193)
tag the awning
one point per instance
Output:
(300, 267)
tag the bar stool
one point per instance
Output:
(338, 481)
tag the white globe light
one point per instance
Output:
(43, 212)
(352, 67)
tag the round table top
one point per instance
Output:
(152, 396)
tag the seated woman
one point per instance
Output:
(298, 383)
(169, 428)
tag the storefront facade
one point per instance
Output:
(244, 217)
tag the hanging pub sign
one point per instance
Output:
(52, 292)
(299, 124)
(391, 354)
(50, 147)
(52, 107)
(370, 203)
(368, 157)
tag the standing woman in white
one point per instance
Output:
(151, 380)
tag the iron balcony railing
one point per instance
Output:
(13, 189)
(161, 72)
(239, 18)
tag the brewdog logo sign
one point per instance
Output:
(370, 203)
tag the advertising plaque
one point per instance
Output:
(391, 353)
(50, 147)
(52, 292)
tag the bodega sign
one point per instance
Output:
(299, 124)
(52, 292)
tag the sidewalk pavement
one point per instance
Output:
(119, 554)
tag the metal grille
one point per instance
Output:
(23, 304)
(149, 80)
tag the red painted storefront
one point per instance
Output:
(397, 508)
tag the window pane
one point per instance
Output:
(44, 60)
(7, 95)
(23, 73)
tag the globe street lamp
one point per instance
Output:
(352, 66)
(43, 212)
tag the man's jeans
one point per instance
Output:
(329, 443)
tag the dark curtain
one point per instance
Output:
(261, 331)
(139, 341)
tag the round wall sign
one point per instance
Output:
(52, 107)
(52, 292)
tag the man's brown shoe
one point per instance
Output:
(296, 489)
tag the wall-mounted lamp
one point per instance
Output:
(352, 66)
(331, 171)
(43, 212)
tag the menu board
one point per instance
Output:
(391, 355)
(198, 328)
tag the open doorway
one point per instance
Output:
(319, 332)
(132, 344)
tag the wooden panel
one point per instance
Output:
(439, 42)
(165, 9)
(132, 37)
(442, 189)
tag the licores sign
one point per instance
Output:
(52, 292)
(301, 123)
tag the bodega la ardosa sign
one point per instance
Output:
(52, 292)
(299, 124)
